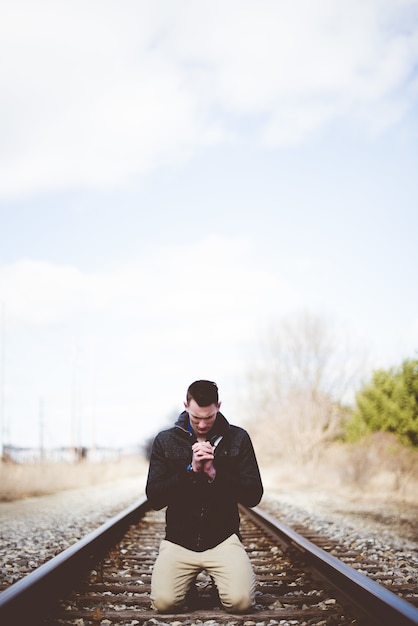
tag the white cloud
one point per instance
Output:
(119, 337)
(208, 279)
(88, 101)
(101, 93)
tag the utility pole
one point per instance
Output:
(93, 405)
(2, 378)
(41, 430)
(73, 399)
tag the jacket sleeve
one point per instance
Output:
(164, 480)
(243, 483)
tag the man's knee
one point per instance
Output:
(164, 602)
(237, 602)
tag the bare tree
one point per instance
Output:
(297, 390)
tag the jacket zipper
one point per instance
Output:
(199, 537)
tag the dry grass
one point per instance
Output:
(379, 467)
(22, 480)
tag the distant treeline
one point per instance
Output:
(63, 454)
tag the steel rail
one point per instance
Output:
(29, 597)
(376, 603)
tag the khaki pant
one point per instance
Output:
(228, 564)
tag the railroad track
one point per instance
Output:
(105, 579)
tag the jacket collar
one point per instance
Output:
(220, 427)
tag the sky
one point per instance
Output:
(176, 176)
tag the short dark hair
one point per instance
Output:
(204, 392)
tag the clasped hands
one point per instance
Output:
(202, 459)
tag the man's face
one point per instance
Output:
(202, 418)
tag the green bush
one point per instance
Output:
(388, 403)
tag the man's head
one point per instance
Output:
(202, 405)
(203, 392)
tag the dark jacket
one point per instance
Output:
(201, 514)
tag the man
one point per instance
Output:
(200, 470)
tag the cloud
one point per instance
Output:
(101, 94)
(207, 279)
(302, 65)
(87, 101)
(110, 341)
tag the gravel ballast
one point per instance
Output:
(36, 529)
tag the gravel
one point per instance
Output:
(383, 532)
(36, 529)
